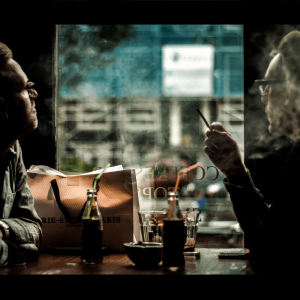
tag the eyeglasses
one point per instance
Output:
(264, 85)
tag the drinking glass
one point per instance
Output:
(151, 224)
(191, 222)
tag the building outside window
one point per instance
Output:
(128, 96)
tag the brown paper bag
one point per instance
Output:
(117, 199)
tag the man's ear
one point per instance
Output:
(292, 96)
(3, 109)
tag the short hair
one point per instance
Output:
(5, 55)
(289, 49)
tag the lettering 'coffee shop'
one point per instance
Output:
(145, 142)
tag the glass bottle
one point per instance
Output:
(91, 231)
(173, 237)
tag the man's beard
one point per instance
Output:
(282, 125)
(276, 129)
(19, 128)
(30, 126)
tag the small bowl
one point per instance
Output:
(145, 254)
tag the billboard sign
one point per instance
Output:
(187, 70)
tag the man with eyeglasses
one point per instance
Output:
(271, 230)
(20, 226)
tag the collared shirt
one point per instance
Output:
(17, 211)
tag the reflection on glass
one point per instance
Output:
(128, 96)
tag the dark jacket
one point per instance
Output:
(17, 210)
(271, 231)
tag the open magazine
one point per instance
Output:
(48, 170)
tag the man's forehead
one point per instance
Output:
(16, 75)
(275, 69)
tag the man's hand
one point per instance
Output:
(223, 151)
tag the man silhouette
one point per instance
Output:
(270, 229)
(20, 226)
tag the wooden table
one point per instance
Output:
(208, 263)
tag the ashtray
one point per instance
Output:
(145, 254)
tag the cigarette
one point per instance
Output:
(202, 117)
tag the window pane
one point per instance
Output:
(128, 96)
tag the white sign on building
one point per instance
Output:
(187, 70)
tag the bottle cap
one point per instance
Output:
(90, 191)
(172, 193)
(171, 197)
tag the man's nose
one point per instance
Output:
(264, 100)
(33, 94)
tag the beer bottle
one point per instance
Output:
(91, 230)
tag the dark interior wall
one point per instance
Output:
(35, 54)
(265, 154)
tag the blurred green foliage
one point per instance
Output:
(75, 164)
(85, 48)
